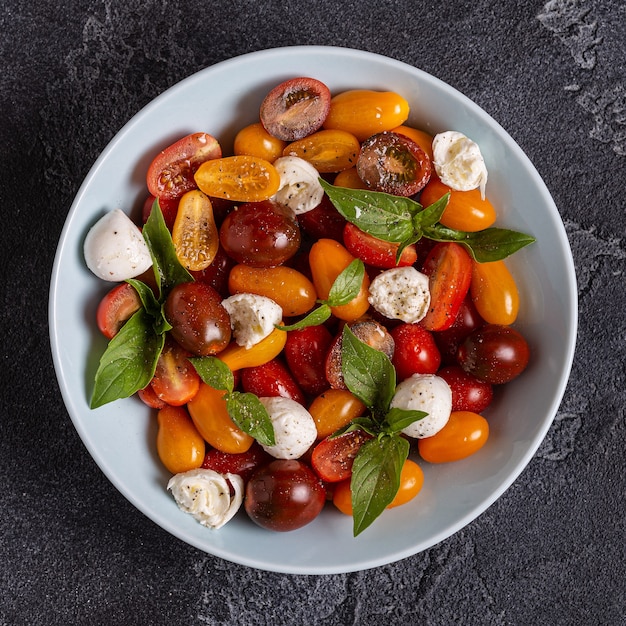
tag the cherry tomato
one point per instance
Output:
(199, 322)
(216, 275)
(466, 210)
(243, 464)
(464, 434)
(284, 495)
(179, 444)
(494, 353)
(237, 357)
(210, 415)
(327, 150)
(494, 292)
(195, 235)
(175, 379)
(115, 308)
(333, 409)
(323, 222)
(240, 178)
(468, 393)
(271, 379)
(305, 351)
(168, 206)
(328, 258)
(393, 163)
(364, 112)
(349, 179)
(289, 288)
(261, 234)
(254, 140)
(449, 340)
(171, 173)
(149, 398)
(423, 139)
(333, 457)
(449, 270)
(415, 351)
(376, 252)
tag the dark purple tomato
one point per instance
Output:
(495, 354)
(260, 234)
(323, 222)
(199, 322)
(393, 163)
(448, 341)
(284, 495)
(416, 351)
(468, 393)
(217, 273)
(243, 464)
(295, 108)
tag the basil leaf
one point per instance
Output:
(151, 305)
(214, 372)
(314, 318)
(376, 477)
(367, 372)
(347, 285)
(129, 362)
(490, 244)
(398, 419)
(367, 424)
(168, 270)
(246, 410)
(432, 213)
(382, 215)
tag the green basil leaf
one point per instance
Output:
(367, 372)
(398, 419)
(376, 477)
(347, 285)
(213, 372)
(314, 318)
(246, 410)
(382, 215)
(129, 362)
(367, 424)
(151, 305)
(490, 244)
(168, 270)
(432, 213)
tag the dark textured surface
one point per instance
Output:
(551, 550)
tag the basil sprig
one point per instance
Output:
(404, 221)
(129, 361)
(370, 376)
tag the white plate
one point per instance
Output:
(121, 436)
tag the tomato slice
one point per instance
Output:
(333, 457)
(295, 108)
(171, 173)
(175, 380)
(394, 164)
(115, 308)
(376, 252)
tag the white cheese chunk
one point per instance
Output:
(252, 317)
(400, 293)
(300, 188)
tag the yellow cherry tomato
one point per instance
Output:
(238, 357)
(179, 444)
(333, 409)
(363, 112)
(494, 292)
(254, 140)
(420, 137)
(327, 150)
(210, 415)
(349, 179)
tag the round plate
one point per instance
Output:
(121, 436)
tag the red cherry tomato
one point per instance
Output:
(495, 354)
(295, 108)
(243, 464)
(376, 252)
(171, 173)
(168, 206)
(271, 379)
(284, 495)
(175, 380)
(449, 270)
(416, 351)
(333, 457)
(468, 393)
(305, 352)
(449, 340)
(323, 222)
(149, 398)
(393, 163)
(115, 308)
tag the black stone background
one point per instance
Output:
(549, 551)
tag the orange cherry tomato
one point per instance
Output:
(254, 140)
(363, 112)
(464, 434)
(494, 292)
(290, 289)
(349, 179)
(411, 482)
(240, 178)
(327, 150)
(195, 235)
(420, 137)
(238, 357)
(210, 416)
(327, 259)
(179, 444)
(466, 210)
(333, 409)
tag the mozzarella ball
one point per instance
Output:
(400, 293)
(252, 317)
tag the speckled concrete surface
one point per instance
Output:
(550, 551)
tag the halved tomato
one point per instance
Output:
(376, 252)
(171, 173)
(115, 308)
(175, 379)
(333, 457)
